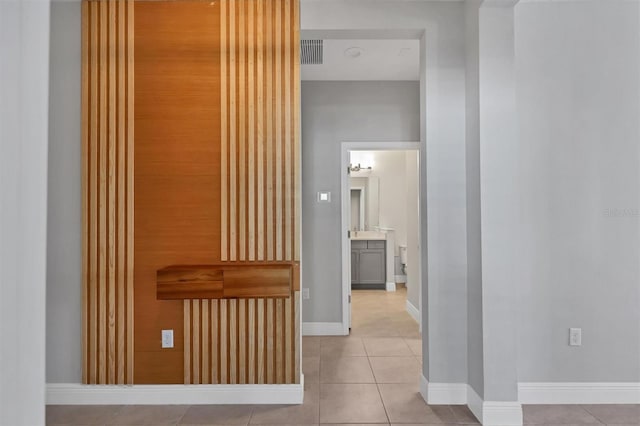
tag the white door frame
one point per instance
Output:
(345, 195)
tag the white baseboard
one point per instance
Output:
(489, 413)
(443, 393)
(322, 329)
(402, 279)
(413, 311)
(498, 413)
(494, 413)
(579, 393)
(78, 394)
(391, 286)
(474, 402)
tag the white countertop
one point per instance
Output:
(368, 235)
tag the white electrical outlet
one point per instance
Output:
(305, 293)
(167, 338)
(575, 337)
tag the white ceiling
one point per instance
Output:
(378, 60)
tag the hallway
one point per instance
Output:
(370, 377)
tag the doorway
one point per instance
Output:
(381, 229)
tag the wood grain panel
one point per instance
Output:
(227, 280)
(107, 164)
(178, 181)
(217, 180)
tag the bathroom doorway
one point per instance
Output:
(380, 246)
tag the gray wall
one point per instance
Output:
(64, 251)
(332, 113)
(578, 89)
(442, 181)
(474, 255)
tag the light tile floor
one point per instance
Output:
(368, 378)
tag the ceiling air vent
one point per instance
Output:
(311, 52)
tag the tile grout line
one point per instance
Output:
(386, 413)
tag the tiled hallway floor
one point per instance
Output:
(370, 377)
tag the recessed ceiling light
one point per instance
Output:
(353, 52)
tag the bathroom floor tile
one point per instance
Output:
(217, 415)
(415, 345)
(404, 369)
(80, 414)
(138, 415)
(342, 347)
(306, 413)
(557, 414)
(351, 403)
(404, 404)
(311, 369)
(386, 346)
(615, 414)
(346, 370)
(310, 346)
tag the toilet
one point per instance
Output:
(403, 258)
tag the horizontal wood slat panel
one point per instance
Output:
(107, 175)
(226, 281)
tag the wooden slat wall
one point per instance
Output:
(177, 175)
(107, 161)
(254, 340)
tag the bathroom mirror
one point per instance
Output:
(365, 191)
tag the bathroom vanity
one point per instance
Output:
(368, 260)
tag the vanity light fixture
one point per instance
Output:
(358, 168)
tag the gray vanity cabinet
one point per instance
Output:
(368, 263)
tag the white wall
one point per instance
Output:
(24, 80)
(390, 169)
(578, 87)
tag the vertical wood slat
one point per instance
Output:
(288, 145)
(242, 122)
(296, 152)
(278, 129)
(187, 341)
(232, 219)
(242, 341)
(102, 188)
(224, 223)
(121, 279)
(260, 46)
(251, 133)
(111, 195)
(107, 145)
(254, 340)
(269, 101)
(261, 336)
(224, 348)
(205, 361)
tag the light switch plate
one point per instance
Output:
(324, 197)
(305, 293)
(167, 339)
(575, 337)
